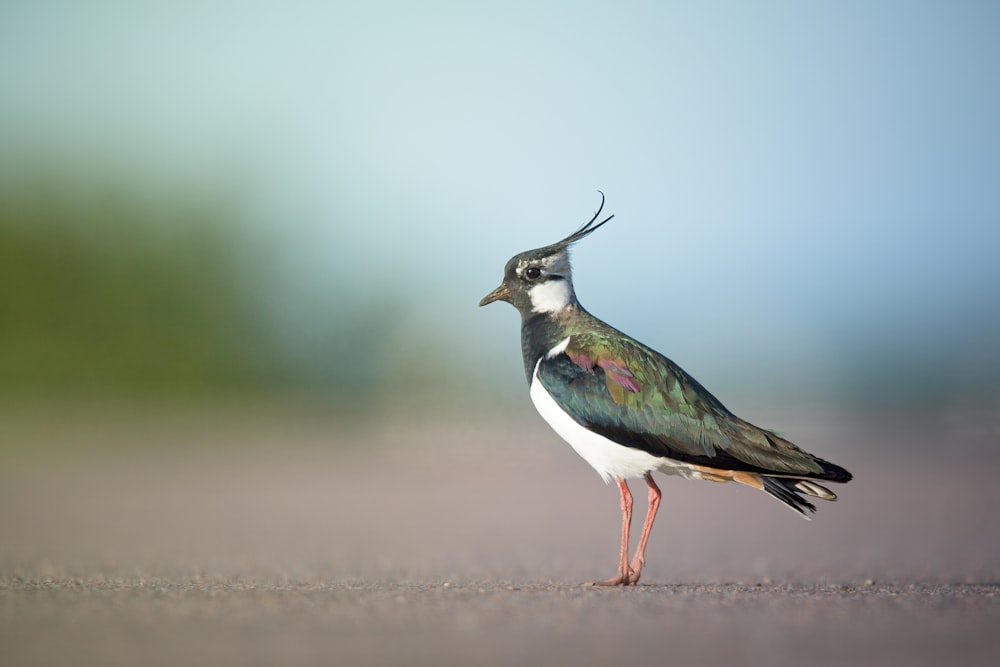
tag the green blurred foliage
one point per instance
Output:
(107, 290)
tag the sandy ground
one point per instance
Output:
(305, 541)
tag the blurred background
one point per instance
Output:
(287, 213)
(208, 200)
(242, 244)
(217, 199)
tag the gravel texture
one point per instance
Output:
(197, 542)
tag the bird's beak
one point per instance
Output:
(501, 293)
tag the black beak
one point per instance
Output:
(501, 293)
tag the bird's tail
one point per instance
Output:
(789, 490)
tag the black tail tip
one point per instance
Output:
(834, 473)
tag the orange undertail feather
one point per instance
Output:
(788, 490)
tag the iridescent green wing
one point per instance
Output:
(631, 394)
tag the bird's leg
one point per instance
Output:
(640, 553)
(622, 578)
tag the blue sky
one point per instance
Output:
(796, 185)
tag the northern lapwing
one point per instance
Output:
(629, 411)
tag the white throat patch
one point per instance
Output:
(551, 296)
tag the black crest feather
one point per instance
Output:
(588, 227)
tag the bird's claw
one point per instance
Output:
(620, 579)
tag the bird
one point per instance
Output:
(629, 411)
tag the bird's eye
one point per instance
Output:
(532, 273)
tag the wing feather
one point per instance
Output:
(635, 396)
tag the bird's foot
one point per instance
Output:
(634, 571)
(631, 578)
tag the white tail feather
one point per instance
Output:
(815, 490)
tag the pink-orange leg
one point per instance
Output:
(640, 554)
(622, 578)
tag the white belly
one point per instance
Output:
(608, 458)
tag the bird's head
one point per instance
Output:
(541, 280)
